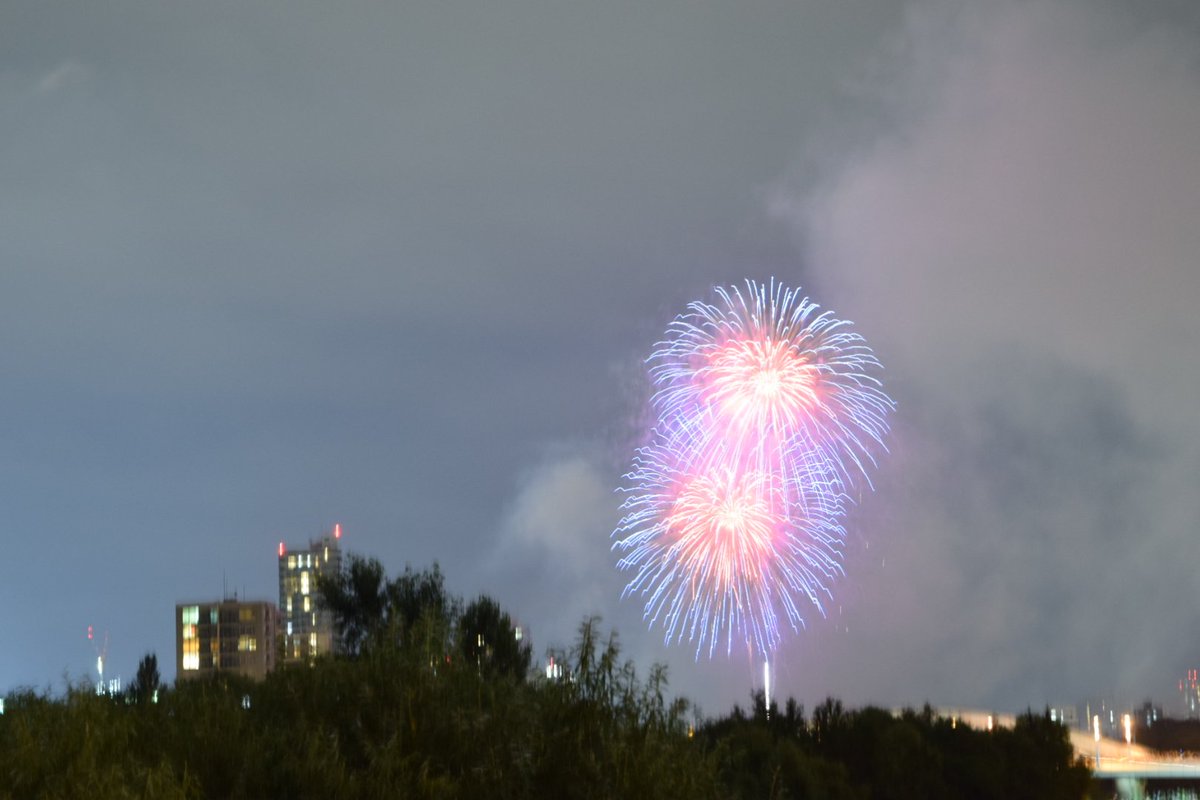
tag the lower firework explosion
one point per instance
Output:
(766, 413)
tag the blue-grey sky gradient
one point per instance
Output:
(269, 266)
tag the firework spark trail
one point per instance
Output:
(767, 415)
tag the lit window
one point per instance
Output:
(304, 582)
(191, 654)
(246, 614)
(314, 619)
(289, 604)
(312, 643)
(189, 632)
(309, 559)
(247, 644)
(291, 562)
(213, 615)
(289, 633)
(190, 615)
(307, 603)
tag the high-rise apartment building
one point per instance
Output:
(225, 636)
(308, 629)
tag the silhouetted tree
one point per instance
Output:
(415, 594)
(146, 683)
(357, 598)
(371, 611)
(486, 639)
(397, 722)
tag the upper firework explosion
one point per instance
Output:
(766, 412)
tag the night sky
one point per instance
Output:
(268, 266)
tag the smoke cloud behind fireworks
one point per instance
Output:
(1018, 246)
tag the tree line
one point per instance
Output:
(435, 698)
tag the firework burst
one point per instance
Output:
(767, 414)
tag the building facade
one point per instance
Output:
(227, 637)
(308, 628)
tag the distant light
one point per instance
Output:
(991, 722)
(90, 637)
(1128, 722)
(337, 530)
(281, 550)
(1096, 727)
(767, 687)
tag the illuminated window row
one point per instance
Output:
(305, 560)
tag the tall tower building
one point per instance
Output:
(308, 629)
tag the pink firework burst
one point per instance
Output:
(767, 411)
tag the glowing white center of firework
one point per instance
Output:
(753, 381)
(766, 384)
(723, 526)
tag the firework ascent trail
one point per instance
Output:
(767, 414)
